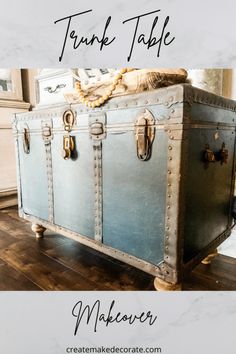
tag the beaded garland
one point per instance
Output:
(105, 97)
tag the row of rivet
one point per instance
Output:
(211, 100)
(168, 202)
(98, 190)
(50, 181)
(168, 102)
(22, 117)
(148, 267)
(191, 98)
(121, 106)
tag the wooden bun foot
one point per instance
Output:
(162, 285)
(38, 230)
(210, 257)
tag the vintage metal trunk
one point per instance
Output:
(147, 178)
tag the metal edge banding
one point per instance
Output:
(181, 93)
(109, 129)
(170, 268)
(48, 152)
(164, 96)
(98, 191)
(50, 182)
(212, 126)
(196, 95)
(139, 100)
(124, 257)
(98, 118)
(113, 129)
(42, 113)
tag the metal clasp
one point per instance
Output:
(97, 126)
(68, 140)
(209, 155)
(96, 129)
(220, 155)
(223, 154)
(68, 119)
(47, 131)
(68, 146)
(26, 139)
(144, 135)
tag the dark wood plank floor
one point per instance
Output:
(58, 263)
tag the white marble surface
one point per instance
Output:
(187, 322)
(204, 33)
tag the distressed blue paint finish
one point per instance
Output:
(134, 191)
(34, 178)
(134, 195)
(127, 116)
(205, 113)
(73, 182)
(207, 190)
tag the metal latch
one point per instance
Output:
(47, 131)
(68, 146)
(144, 135)
(220, 155)
(96, 129)
(97, 126)
(209, 155)
(224, 154)
(68, 140)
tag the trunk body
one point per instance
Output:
(150, 179)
